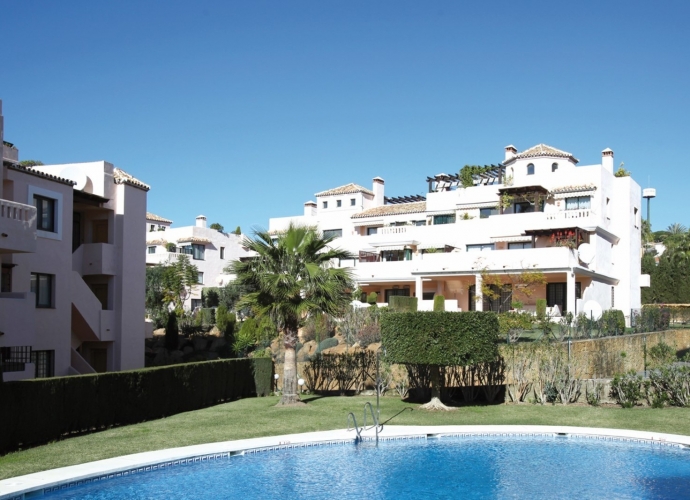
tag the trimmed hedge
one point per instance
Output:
(440, 338)
(541, 309)
(37, 411)
(614, 320)
(439, 303)
(400, 303)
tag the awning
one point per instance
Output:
(572, 194)
(485, 204)
(369, 222)
(511, 239)
(390, 247)
(432, 244)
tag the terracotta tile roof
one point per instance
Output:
(157, 242)
(31, 171)
(122, 177)
(193, 239)
(156, 218)
(397, 209)
(542, 150)
(346, 189)
(574, 189)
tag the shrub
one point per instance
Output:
(172, 335)
(399, 303)
(170, 247)
(661, 354)
(627, 389)
(439, 303)
(372, 298)
(541, 309)
(369, 335)
(511, 321)
(225, 321)
(318, 327)
(210, 297)
(327, 344)
(246, 337)
(594, 395)
(671, 383)
(516, 304)
(613, 322)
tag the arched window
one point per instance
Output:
(530, 169)
(554, 167)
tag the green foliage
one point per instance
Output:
(41, 410)
(661, 354)
(172, 334)
(621, 172)
(469, 172)
(327, 344)
(369, 334)
(247, 337)
(31, 163)
(627, 389)
(318, 327)
(399, 303)
(225, 321)
(517, 304)
(210, 297)
(510, 321)
(206, 317)
(170, 247)
(440, 338)
(613, 321)
(155, 294)
(218, 227)
(371, 298)
(439, 303)
(541, 309)
(237, 231)
(670, 383)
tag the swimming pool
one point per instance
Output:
(531, 466)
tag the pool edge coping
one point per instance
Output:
(20, 486)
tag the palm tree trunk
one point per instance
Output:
(290, 395)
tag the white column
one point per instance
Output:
(478, 295)
(570, 291)
(418, 290)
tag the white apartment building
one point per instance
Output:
(210, 250)
(535, 210)
(72, 297)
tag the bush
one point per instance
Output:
(327, 344)
(627, 389)
(369, 335)
(41, 410)
(661, 354)
(670, 383)
(439, 303)
(318, 327)
(399, 303)
(225, 322)
(613, 322)
(541, 309)
(372, 298)
(511, 321)
(172, 335)
(246, 337)
(170, 247)
(210, 297)
(443, 339)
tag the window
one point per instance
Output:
(200, 278)
(485, 213)
(391, 292)
(557, 295)
(419, 222)
(332, 233)
(42, 286)
(608, 210)
(186, 250)
(325, 204)
(6, 281)
(352, 202)
(222, 252)
(152, 249)
(372, 230)
(338, 203)
(428, 295)
(636, 217)
(578, 203)
(530, 169)
(444, 219)
(45, 363)
(523, 207)
(554, 167)
(396, 255)
(500, 301)
(480, 247)
(153, 228)
(519, 245)
(198, 252)
(45, 213)
(196, 304)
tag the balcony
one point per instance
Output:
(97, 258)
(17, 227)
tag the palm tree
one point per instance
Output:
(293, 278)
(676, 229)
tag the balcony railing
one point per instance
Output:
(569, 214)
(18, 223)
(13, 359)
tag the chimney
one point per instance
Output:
(607, 160)
(310, 209)
(510, 152)
(201, 221)
(378, 191)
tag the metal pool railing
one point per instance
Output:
(375, 423)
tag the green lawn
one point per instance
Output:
(257, 417)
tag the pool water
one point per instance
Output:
(448, 467)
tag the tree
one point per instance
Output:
(237, 231)
(292, 277)
(172, 333)
(217, 227)
(155, 292)
(179, 281)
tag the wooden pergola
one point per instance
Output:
(494, 175)
(533, 194)
(560, 235)
(396, 200)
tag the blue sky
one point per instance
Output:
(241, 111)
